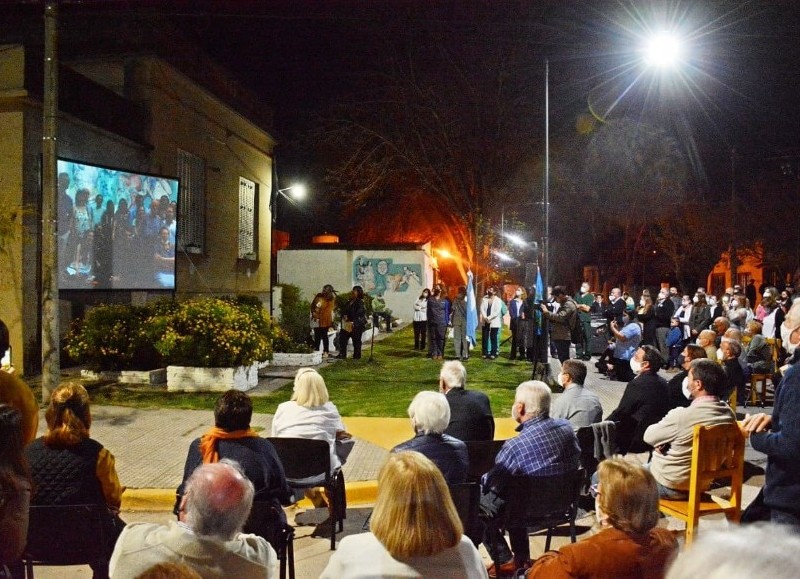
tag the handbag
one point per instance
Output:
(348, 327)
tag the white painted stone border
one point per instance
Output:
(296, 359)
(194, 379)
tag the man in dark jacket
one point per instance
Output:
(430, 415)
(663, 312)
(233, 438)
(778, 436)
(644, 402)
(470, 411)
(562, 321)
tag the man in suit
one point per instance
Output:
(470, 412)
(616, 307)
(644, 402)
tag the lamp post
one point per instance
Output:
(663, 51)
(298, 193)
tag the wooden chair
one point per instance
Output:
(717, 453)
(307, 464)
(755, 379)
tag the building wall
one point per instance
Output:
(395, 275)
(188, 118)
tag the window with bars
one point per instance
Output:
(192, 207)
(248, 225)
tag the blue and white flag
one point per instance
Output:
(539, 285)
(472, 311)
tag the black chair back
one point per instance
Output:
(303, 457)
(466, 498)
(585, 436)
(66, 535)
(265, 521)
(481, 457)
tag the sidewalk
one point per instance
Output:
(150, 448)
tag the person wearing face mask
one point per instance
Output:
(629, 544)
(577, 404)
(664, 308)
(770, 314)
(562, 321)
(678, 386)
(672, 436)
(615, 308)
(699, 319)
(737, 312)
(778, 436)
(491, 321)
(584, 301)
(684, 315)
(644, 402)
(734, 371)
(627, 339)
(514, 311)
(714, 308)
(646, 315)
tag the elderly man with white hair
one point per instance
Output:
(545, 446)
(207, 537)
(470, 411)
(430, 415)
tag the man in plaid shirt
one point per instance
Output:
(545, 446)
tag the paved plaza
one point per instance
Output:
(150, 448)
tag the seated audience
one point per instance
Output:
(576, 404)
(630, 544)
(720, 325)
(706, 340)
(207, 537)
(232, 438)
(758, 352)
(731, 351)
(644, 402)
(470, 411)
(545, 446)
(414, 530)
(70, 468)
(170, 571)
(679, 395)
(15, 486)
(764, 550)
(16, 393)
(671, 438)
(430, 415)
(310, 414)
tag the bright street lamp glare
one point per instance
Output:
(444, 253)
(503, 256)
(298, 191)
(516, 239)
(663, 50)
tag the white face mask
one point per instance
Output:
(636, 366)
(786, 333)
(685, 387)
(719, 354)
(712, 302)
(641, 302)
(560, 379)
(735, 304)
(610, 297)
(695, 299)
(584, 289)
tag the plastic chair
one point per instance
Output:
(307, 464)
(481, 457)
(717, 452)
(540, 502)
(66, 535)
(762, 378)
(265, 521)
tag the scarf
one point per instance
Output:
(208, 442)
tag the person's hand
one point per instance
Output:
(755, 423)
(614, 325)
(543, 307)
(343, 435)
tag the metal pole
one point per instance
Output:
(51, 373)
(546, 280)
(733, 256)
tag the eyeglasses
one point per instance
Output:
(594, 490)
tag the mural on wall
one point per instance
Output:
(380, 275)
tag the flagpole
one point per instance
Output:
(546, 173)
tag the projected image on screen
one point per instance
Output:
(116, 229)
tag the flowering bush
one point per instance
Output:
(112, 337)
(205, 332)
(213, 332)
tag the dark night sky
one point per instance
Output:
(740, 88)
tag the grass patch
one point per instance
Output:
(382, 387)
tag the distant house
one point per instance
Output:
(140, 114)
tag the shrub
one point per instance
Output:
(295, 314)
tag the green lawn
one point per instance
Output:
(381, 387)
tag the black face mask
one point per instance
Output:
(681, 360)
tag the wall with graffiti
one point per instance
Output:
(379, 276)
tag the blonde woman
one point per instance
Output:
(70, 468)
(310, 414)
(629, 544)
(415, 529)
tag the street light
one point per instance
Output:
(297, 193)
(663, 50)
